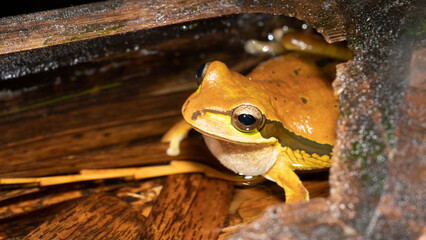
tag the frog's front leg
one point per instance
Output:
(175, 135)
(284, 176)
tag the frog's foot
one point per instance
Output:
(175, 135)
(284, 176)
(274, 47)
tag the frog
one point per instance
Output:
(273, 122)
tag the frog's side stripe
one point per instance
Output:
(288, 139)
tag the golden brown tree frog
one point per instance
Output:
(278, 119)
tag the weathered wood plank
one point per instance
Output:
(147, 152)
(22, 214)
(189, 207)
(62, 117)
(101, 19)
(96, 217)
(19, 226)
(45, 151)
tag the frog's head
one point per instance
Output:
(226, 106)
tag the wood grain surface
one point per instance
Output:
(24, 212)
(96, 217)
(20, 225)
(189, 207)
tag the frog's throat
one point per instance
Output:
(295, 142)
(249, 160)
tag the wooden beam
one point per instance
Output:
(43, 29)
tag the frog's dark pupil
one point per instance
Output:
(246, 119)
(200, 71)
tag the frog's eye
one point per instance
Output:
(247, 118)
(201, 73)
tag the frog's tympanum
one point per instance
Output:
(278, 119)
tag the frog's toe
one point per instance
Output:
(174, 146)
(278, 33)
(173, 151)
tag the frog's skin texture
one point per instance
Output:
(295, 110)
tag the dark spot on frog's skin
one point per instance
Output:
(273, 72)
(297, 71)
(107, 134)
(278, 85)
(275, 98)
(304, 100)
(335, 106)
(186, 105)
(195, 115)
(284, 101)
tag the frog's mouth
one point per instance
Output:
(217, 124)
(268, 143)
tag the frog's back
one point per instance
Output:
(301, 95)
